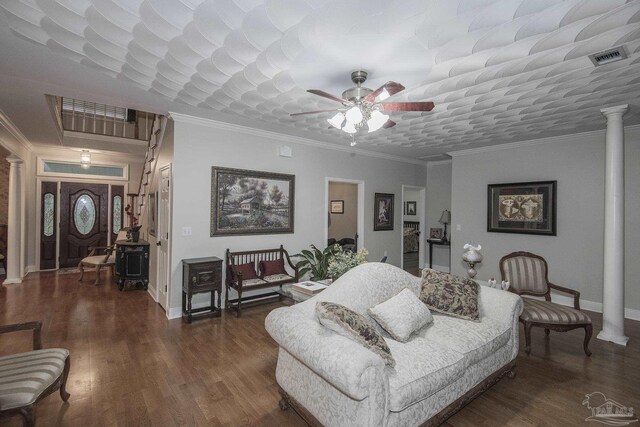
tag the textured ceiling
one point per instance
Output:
(497, 70)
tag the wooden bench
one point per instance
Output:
(258, 269)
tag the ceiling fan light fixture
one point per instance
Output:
(354, 115)
(377, 120)
(349, 128)
(337, 120)
(383, 95)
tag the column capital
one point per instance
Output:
(14, 159)
(617, 110)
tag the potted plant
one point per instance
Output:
(342, 261)
(316, 262)
(133, 233)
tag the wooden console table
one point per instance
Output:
(201, 275)
(438, 243)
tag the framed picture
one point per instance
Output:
(251, 202)
(435, 234)
(410, 208)
(524, 207)
(153, 214)
(337, 206)
(383, 211)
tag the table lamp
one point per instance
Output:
(445, 219)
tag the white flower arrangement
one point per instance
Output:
(342, 261)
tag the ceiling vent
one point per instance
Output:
(607, 56)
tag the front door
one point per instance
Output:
(84, 219)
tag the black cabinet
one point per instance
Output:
(132, 264)
(200, 275)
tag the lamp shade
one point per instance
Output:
(354, 115)
(445, 218)
(337, 120)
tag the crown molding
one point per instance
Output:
(629, 132)
(13, 130)
(183, 118)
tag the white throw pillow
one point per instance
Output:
(401, 315)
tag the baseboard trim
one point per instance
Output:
(12, 281)
(152, 291)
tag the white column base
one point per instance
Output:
(12, 281)
(620, 340)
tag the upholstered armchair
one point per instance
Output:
(28, 377)
(97, 260)
(527, 274)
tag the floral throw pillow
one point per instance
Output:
(448, 294)
(354, 326)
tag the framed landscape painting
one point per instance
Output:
(524, 207)
(383, 211)
(251, 202)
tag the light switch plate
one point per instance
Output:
(187, 231)
(458, 227)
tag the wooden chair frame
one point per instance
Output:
(236, 258)
(588, 328)
(108, 250)
(28, 412)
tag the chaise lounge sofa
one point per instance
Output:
(334, 381)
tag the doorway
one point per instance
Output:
(344, 201)
(75, 216)
(413, 229)
(164, 235)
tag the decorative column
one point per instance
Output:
(14, 225)
(613, 287)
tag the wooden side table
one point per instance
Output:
(200, 275)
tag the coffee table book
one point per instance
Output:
(308, 287)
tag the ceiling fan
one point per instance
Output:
(361, 105)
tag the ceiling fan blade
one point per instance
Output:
(391, 87)
(327, 95)
(312, 112)
(406, 106)
(388, 124)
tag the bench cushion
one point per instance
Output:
(276, 278)
(24, 376)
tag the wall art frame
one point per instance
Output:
(249, 202)
(522, 207)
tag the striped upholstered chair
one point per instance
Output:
(26, 378)
(528, 275)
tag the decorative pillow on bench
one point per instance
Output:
(247, 270)
(270, 268)
(448, 294)
(401, 315)
(352, 325)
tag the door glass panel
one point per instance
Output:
(49, 210)
(84, 214)
(117, 214)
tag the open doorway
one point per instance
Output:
(345, 213)
(413, 236)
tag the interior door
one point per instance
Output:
(164, 222)
(84, 220)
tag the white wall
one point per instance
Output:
(438, 199)
(575, 255)
(199, 145)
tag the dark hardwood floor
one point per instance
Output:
(131, 366)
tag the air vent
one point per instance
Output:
(607, 56)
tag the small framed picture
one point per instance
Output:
(410, 208)
(337, 206)
(435, 234)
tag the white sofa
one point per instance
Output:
(334, 381)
